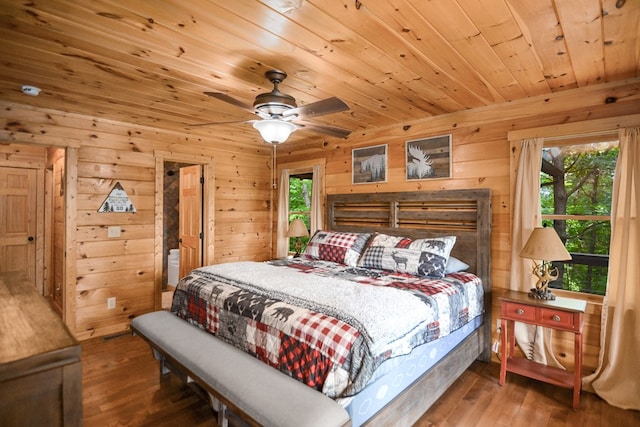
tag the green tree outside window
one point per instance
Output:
(576, 184)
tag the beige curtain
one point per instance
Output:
(282, 241)
(316, 222)
(617, 378)
(534, 341)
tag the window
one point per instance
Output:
(300, 186)
(576, 185)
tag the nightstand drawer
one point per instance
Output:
(557, 319)
(516, 311)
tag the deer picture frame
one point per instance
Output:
(428, 158)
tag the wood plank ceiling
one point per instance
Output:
(392, 61)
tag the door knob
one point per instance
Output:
(30, 238)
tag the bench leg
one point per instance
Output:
(221, 410)
(163, 367)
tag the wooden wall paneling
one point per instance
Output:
(22, 156)
(104, 254)
(40, 231)
(111, 151)
(138, 276)
(59, 233)
(48, 229)
(577, 128)
(42, 140)
(70, 184)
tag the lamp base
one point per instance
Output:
(541, 294)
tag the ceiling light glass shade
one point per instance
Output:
(274, 131)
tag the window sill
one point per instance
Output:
(589, 298)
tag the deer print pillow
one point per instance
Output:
(421, 257)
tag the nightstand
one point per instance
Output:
(563, 314)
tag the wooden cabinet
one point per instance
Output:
(563, 314)
(40, 368)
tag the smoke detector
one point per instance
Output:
(30, 90)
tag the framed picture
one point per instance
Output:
(428, 158)
(369, 164)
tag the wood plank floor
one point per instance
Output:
(122, 387)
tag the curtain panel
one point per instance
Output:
(617, 377)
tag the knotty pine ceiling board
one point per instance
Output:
(391, 61)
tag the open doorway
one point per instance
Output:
(182, 248)
(167, 225)
(54, 226)
(32, 206)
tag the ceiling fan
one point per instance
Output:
(280, 115)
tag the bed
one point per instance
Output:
(374, 314)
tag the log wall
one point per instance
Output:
(482, 157)
(100, 153)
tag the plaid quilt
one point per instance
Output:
(327, 325)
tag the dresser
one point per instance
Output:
(40, 368)
(565, 314)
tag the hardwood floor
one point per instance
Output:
(122, 387)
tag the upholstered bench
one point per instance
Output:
(253, 391)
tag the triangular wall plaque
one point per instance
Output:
(117, 201)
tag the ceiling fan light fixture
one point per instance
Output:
(274, 131)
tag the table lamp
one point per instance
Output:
(544, 244)
(297, 229)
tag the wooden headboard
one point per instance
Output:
(463, 213)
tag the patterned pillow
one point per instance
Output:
(422, 257)
(336, 246)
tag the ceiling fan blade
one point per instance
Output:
(325, 129)
(233, 122)
(319, 108)
(230, 100)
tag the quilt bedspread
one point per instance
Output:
(325, 324)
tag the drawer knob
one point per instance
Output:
(555, 318)
(520, 311)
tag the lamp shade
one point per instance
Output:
(297, 228)
(544, 244)
(274, 131)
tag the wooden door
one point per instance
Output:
(18, 220)
(190, 219)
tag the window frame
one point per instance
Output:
(298, 214)
(281, 216)
(587, 259)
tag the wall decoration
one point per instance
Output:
(428, 158)
(369, 164)
(117, 201)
